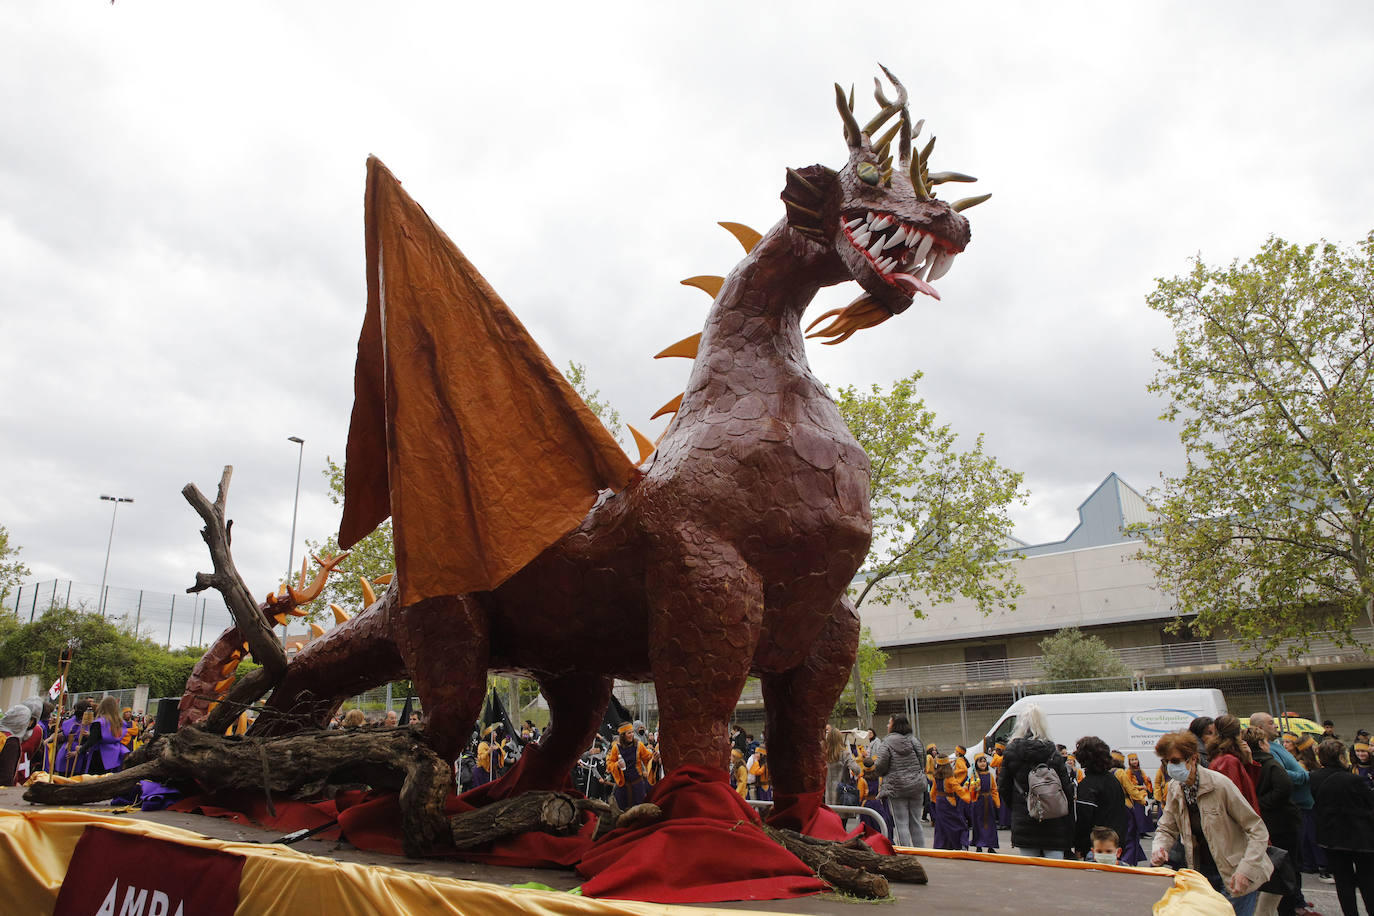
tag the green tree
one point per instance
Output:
(609, 416)
(372, 557)
(107, 657)
(940, 515)
(1267, 533)
(871, 660)
(12, 570)
(1070, 655)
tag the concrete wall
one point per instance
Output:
(1093, 587)
(17, 689)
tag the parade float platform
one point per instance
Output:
(315, 875)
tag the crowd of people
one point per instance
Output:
(1231, 803)
(94, 739)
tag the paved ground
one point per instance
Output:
(955, 887)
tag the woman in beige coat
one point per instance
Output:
(1223, 837)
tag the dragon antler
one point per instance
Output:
(303, 594)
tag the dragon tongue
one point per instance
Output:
(916, 284)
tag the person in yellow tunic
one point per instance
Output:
(763, 780)
(628, 762)
(1131, 851)
(131, 728)
(946, 796)
(984, 804)
(739, 776)
(1003, 808)
(490, 756)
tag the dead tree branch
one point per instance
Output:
(262, 643)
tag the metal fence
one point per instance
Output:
(170, 618)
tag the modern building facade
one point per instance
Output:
(954, 670)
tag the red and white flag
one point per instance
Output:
(57, 687)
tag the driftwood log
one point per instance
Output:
(548, 812)
(299, 766)
(851, 866)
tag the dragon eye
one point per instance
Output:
(868, 173)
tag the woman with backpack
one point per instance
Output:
(901, 763)
(1036, 783)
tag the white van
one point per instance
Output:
(1130, 721)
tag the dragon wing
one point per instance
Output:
(462, 431)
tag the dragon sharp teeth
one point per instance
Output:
(861, 238)
(854, 224)
(894, 239)
(877, 246)
(942, 263)
(926, 242)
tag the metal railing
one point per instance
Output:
(842, 810)
(1215, 654)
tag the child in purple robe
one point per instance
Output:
(984, 806)
(948, 816)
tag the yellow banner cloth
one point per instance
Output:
(462, 431)
(35, 847)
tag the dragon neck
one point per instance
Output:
(756, 316)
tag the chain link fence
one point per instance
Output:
(170, 618)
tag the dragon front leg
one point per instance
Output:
(445, 644)
(706, 612)
(798, 702)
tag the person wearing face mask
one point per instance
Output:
(1101, 803)
(1222, 835)
(1106, 847)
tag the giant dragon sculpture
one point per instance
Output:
(724, 554)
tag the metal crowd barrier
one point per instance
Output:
(843, 811)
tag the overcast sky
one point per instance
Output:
(181, 246)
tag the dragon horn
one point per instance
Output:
(306, 595)
(852, 134)
(969, 202)
(919, 166)
(369, 596)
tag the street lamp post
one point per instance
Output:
(109, 544)
(291, 555)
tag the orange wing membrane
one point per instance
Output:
(463, 431)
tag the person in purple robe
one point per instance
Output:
(984, 807)
(69, 738)
(945, 796)
(102, 747)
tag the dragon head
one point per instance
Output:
(879, 214)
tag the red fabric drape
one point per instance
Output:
(707, 848)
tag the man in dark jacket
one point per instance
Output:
(1344, 811)
(1274, 789)
(1030, 746)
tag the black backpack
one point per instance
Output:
(847, 791)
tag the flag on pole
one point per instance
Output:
(57, 687)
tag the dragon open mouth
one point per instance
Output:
(904, 256)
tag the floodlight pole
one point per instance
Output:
(109, 544)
